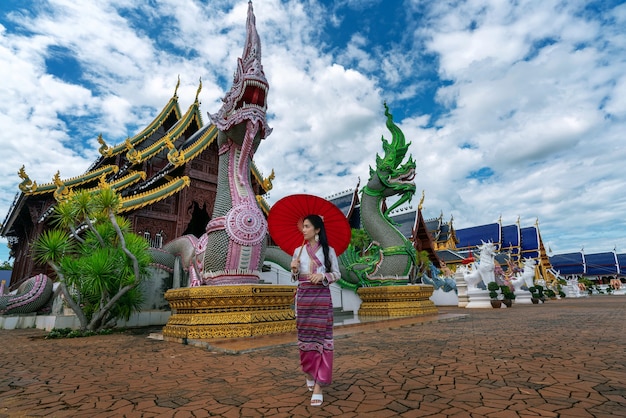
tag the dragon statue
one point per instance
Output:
(33, 295)
(236, 232)
(391, 257)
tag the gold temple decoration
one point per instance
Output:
(104, 149)
(174, 156)
(132, 155)
(199, 90)
(397, 301)
(177, 85)
(61, 193)
(267, 181)
(206, 312)
(27, 185)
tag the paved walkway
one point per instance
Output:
(565, 358)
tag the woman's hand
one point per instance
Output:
(316, 278)
(295, 266)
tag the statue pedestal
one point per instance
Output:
(229, 311)
(396, 301)
(478, 298)
(523, 297)
(461, 288)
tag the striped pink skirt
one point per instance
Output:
(314, 322)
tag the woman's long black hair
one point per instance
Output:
(318, 223)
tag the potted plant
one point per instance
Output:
(493, 288)
(508, 295)
(535, 295)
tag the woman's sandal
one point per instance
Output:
(310, 384)
(317, 399)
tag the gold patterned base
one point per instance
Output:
(396, 301)
(229, 311)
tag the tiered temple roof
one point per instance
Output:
(166, 174)
(595, 265)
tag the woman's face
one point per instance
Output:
(308, 230)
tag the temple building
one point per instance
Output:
(598, 267)
(166, 176)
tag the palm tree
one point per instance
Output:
(98, 260)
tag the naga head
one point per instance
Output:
(247, 99)
(391, 177)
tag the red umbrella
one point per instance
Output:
(286, 217)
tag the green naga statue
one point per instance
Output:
(391, 257)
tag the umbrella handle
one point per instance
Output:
(300, 252)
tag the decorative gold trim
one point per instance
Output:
(73, 181)
(229, 311)
(178, 157)
(396, 301)
(152, 196)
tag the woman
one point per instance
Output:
(315, 265)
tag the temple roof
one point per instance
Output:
(154, 195)
(405, 221)
(476, 235)
(170, 140)
(171, 112)
(595, 264)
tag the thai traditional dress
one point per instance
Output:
(314, 308)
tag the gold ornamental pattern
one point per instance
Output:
(206, 312)
(396, 301)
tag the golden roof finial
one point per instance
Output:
(57, 179)
(168, 143)
(199, 89)
(22, 173)
(104, 148)
(267, 182)
(102, 184)
(26, 185)
(421, 204)
(61, 193)
(177, 85)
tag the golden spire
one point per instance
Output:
(419, 207)
(177, 85)
(199, 89)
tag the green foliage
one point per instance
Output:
(493, 288)
(507, 292)
(5, 265)
(102, 265)
(74, 333)
(536, 292)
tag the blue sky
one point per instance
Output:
(515, 110)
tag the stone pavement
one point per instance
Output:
(564, 358)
